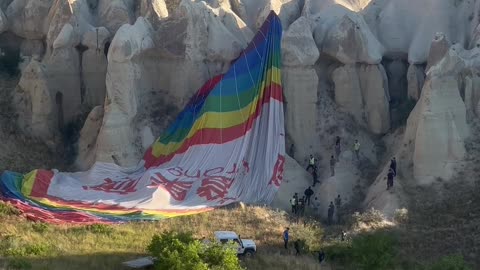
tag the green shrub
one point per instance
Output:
(178, 251)
(338, 253)
(38, 249)
(373, 251)
(452, 262)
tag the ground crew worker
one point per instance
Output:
(311, 163)
(338, 149)
(315, 204)
(308, 193)
(293, 203)
(297, 247)
(301, 206)
(292, 150)
(390, 176)
(285, 237)
(332, 165)
(331, 211)
(393, 166)
(356, 149)
(321, 256)
(338, 204)
(315, 177)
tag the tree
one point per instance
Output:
(178, 251)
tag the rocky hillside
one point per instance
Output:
(98, 80)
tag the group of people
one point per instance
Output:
(298, 204)
(334, 159)
(297, 243)
(332, 209)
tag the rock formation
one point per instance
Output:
(363, 91)
(134, 64)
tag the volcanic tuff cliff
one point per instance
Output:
(122, 69)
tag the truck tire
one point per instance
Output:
(249, 253)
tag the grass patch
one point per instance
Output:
(107, 246)
(8, 210)
(370, 251)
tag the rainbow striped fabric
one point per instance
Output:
(226, 146)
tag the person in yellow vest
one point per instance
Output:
(311, 163)
(356, 149)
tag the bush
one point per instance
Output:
(338, 253)
(19, 250)
(366, 252)
(401, 216)
(178, 251)
(373, 251)
(452, 262)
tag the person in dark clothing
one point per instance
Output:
(338, 149)
(301, 206)
(343, 235)
(331, 211)
(292, 150)
(332, 165)
(285, 237)
(308, 193)
(390, 176)
(315, 177)
(297, 247)
(393, 165)
(321, 256)
(338, 204)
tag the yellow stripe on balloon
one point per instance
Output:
(219, 119)
(28, 181)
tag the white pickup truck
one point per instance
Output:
(246, 247)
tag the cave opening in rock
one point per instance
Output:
(9, 54)
(401, 104)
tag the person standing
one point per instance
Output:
(338, 205)
(356, 149)
(390, 176)
(332, 165)
(297, 247)
(315, 177)
(308, 193)
(293, 203)
(311, 163)
(321, 256)
(393, 165)
(338, 149)
(285, 237)
(292, 150)
(315, 204)
(301, 206)
(331, 211)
